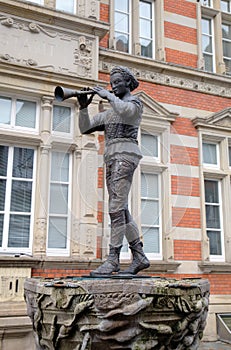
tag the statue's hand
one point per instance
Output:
(84, 100)
(103, 93)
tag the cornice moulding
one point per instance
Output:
(167, 74)
(52, 17)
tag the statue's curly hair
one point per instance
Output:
(128, 76)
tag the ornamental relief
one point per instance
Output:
(48, 48)
(173, 81)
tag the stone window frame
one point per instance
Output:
(218, 17)
(216, 129)
(159, 53)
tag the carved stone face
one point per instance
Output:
(119, 85)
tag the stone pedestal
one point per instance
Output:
(138, 313)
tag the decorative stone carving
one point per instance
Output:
(116, 313)
(40, 235)
(39, 45)
(88, 9)
(173, 80)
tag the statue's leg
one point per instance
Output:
(118, 177)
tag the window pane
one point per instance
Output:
(145, 9)
(121, 5)
(227, 48)
(206, 2)
(207, 44)
(212, 216)
(150, 212)
(25, 114)
(1, 228)
(5, 110)
(57, 233)
(206, 26)
(226, 32)
(225, 5)
(19, 230)
(208, 63)
(121, 22)
(149, 145)
(122, 43)
(151, 240)
(145, 28)
(149, 186)
(209, 153)
(3, 160)
(227, 66)
(146, 48)
(67, 5)
(23, 163)
(60, 166)
(21, 196)
(58, 199)
(211, 192)
(2, 194)
(61, 119)
(214, 242)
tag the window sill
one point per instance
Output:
(215, 267)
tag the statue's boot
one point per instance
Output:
(139, 259)
(111, 265)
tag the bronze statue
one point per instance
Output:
(122, 155)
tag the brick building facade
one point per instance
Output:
(53, 214)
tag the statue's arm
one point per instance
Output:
(87, 125)
(129, 110)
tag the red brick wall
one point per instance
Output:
(181, 7)
(183, 126)
(185, 186)
(187, 250)
(182, 58)
(181, 33)
(186, 217)
(184, 155)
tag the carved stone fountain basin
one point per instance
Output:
(117, 313)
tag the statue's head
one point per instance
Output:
(127, 75)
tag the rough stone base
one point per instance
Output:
(116, 313)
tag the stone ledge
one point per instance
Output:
(72, 263)
(215, 267)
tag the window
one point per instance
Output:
(122, 25)
(207, 44)
(210, 154)
(146, 29)
(216, 155)
(150, 192)
(213, 217)
(225, 5)
(216, 36)
(62, 118)
(207, 2)
(66, 6)
(226, 41)
(127, 14)
(150, 212)
(59, 213)
(17, 174)
(18, 113)
(150, 145)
